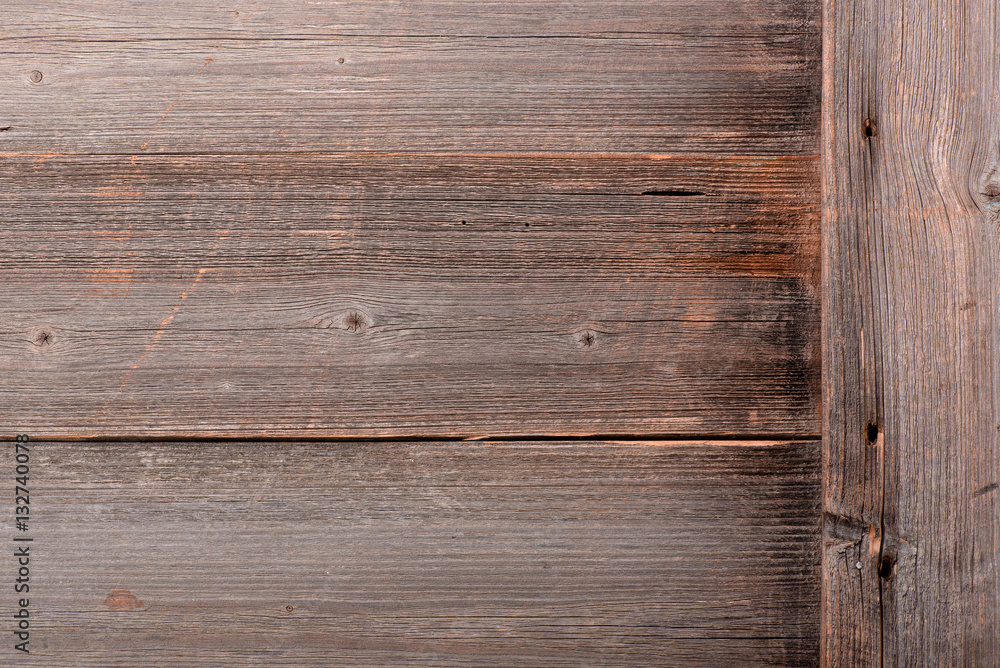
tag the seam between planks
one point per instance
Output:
(642, 438)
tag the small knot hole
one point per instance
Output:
(871, 431)
(885, 568)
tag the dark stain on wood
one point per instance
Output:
(986, 489)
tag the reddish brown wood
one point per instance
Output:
(343, 295)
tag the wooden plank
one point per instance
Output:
(402, 295)
(912, 179)
(490, 78)
(148, 19)
(445, 554)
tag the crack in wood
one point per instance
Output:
(674, 192)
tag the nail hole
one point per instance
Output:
(35, 76)
(340, 60)
(463, 222)
(885, 568)
(870, 128)
(288, 608)
(871, 431)
(526, 224)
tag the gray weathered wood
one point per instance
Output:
(735, 77)
(457, 554)
(268, 19)
(912, 175)
(441, 219)
(409, 295)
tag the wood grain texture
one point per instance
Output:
(911, 319)
(445, 554)
(394, 220)
(430, 77)
(409, 295)
(269, 19)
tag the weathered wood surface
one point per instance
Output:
(438, 220)
(305, 554)
(409, 295)
(912, 458)
(270, 19)
(429, 77)
(489, 219)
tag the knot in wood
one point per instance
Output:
(356, 321)
(42, 338)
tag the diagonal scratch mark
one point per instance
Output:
(252, 11)
(164, 116)
(157, 127)
(152, 485)
(158, 334)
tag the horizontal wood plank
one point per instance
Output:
(445, 554)
(255, 19)
(402, 295)
(488, 78)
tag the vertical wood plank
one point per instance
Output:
(911, 208)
